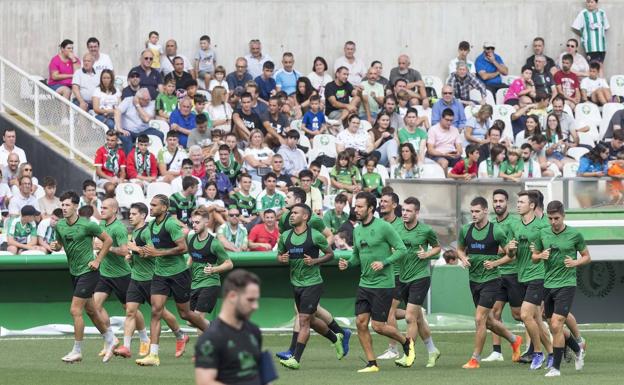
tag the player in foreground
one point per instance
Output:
(140, 286)
(171, 275)
(229, 351)
(300, 247)
(558, 247)
(479, 245)
(415, 276)
(76, 235)
(373, 244)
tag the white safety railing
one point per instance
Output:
(26, 96)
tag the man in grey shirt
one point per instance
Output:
(132, 118)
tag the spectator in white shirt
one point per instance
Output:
(356, 67)
(106, 98)
(101, 61)
(84, 83)
(8, 147)
(45, 230)
(166, 61)
(23, 197)
(319, 77)
(462, 55)
(255, 58)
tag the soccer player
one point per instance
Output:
(373, 244)
(76, 235)
(479, 245)
(140, 286)
(530, 275)
(294, 196)
(171, 274)
(114, 270)
(415, 277)
(511, 290)
(300, 247)
(558, 247)
(208, 259)
(215, 360)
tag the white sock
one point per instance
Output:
(179, 334)
(143, 335)
(77, 347)
(109, 337)
(154, 349)
(429, 345)
(513, 338)
(127, 341)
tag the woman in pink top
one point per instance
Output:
(521, 86)
(61, 69)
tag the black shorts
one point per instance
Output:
(558, 300)
(511, 290)
(485, 294)
(307, 298)
(139, 291)
(416, 291)
(596, 56)
(398, 288)
(117, 285)
(178, 285)
(375, 301)
(204, 299)
(84, 285)
(534, 292)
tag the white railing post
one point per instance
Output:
(71, 133)
(2, 84)
(37, 115)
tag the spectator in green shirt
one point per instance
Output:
(166, 101)
(334, 218)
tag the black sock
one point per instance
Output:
(531, 348)
(333, 326)
(406, 346)
(372, 363)
(558, 353)
(293, 341)
(299, 348)
(330, 335)
(497, 348)
(571, 342)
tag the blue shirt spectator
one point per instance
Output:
(483, 64)
(265, 86)
(238, 78)
(287, 81)
(312, 121)
(455, 105)
(187, 122)
(595, 161)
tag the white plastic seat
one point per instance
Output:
(39, 192)
(156, 188)
(159, 125)
(324, 144)
(296, 125)
(424, 112)
(365, 125)
(617, 85)
(508, 79)
(569, 169)
(304, 141)
(432, 171)
(206, 94)
(433, 82)
(587, 112)
(500, 95)
(475, 95)
(256, 188)
(155, 144)
(607, 113)
(27, 88)
(471, 110)
(503, 112)
(577, 152)
(128, 193)
(590, 137)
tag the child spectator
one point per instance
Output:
(592, 24)
(141, 164)
(191, 90)
(340, 241)
(265, 82)
(345, 177)
(371, 180)
(219, 79)
(313, 122)
(153, 45)
(205, 60)
(318, 180)
(595, 89)
(89, 199)
(166, 101)
(512, 168)
(334, 218)
(49, 202)
(467, 168)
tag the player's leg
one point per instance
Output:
(556, 322)
(129, 327)
(497, 353)
(363, 308)
(110, 341)
(325, 316)
(286, 354)
(574, 329)
(391, 352)
(158, 304)
(76, 308)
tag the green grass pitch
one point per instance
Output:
(37, 361)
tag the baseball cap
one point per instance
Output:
(29, 210)
(133, 73)
(488, 44)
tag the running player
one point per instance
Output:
(140, 286)
(479, 245)
(558, 246)
(530, 276)
(510, 288)
(298, 195)
(76, 235)
(373, 244)
(415, 276)
(300, 247)
(171, 274)
(208, 259)
(114, 270)
(216, 362)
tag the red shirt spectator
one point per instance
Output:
(260, 234)
(141, 165)
(460, 168)
(110, 161)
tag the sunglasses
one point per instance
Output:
(148, 58)
(232, 215)
(447, 93)
(570, 46)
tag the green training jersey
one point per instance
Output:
(507, 224)
(142, 268)
(415, 138)
(376, 241)
(315, 222)
(482, 245)
(77, 240)
(397, 224)
(182, 207)
(245, 203)
(21, 232)
(525, 234)
(412, 267)
(166, 103)
(310, 242)
(277, 201)
(231, 170)
(204, 252)
(568, 243)
(332, 220)
(114, 265)
(373, 181)
(164, 235)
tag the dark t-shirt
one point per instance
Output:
(616, 119)
(234, 353)
(280, 124)
(550, 63)
(150, 81)
(128, 92)
(251, 121)
(543, 82)
(342, 94)
(181, 81)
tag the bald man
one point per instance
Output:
(171, 52)
(412, 77)
(114, 270)
(84, 83)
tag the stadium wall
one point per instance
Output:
(428, 31)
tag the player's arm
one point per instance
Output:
(343, 264)
(537, 251)
(122, 240)
(461, 248)
(225, 263)
(107, 242)
(584, 260)
(206, 377)
(397, 245)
